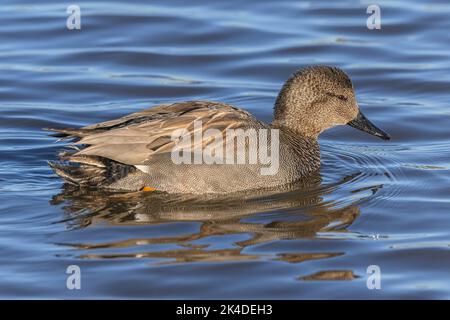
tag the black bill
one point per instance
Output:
(363, 124)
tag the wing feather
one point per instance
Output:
(135, 138)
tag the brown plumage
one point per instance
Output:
(134, 151)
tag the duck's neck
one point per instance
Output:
(291, 110)
(305, 149)
(287, 119)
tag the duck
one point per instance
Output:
(136, 152)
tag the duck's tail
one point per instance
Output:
(86, 170)
(71, 133)
(90, 170)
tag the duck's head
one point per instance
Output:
(317, 98)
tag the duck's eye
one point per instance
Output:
(339, 96)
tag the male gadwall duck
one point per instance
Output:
(136, 152)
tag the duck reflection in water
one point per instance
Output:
(297, 212)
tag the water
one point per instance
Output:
(378, 203)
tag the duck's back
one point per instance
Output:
(136, 151)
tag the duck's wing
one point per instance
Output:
(137, 137)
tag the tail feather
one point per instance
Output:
(70, 133)
(91, 171)
(86, 170)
